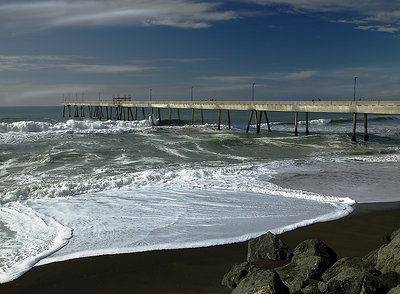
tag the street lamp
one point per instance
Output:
(191, 93)
(354, 92)
(151, 94)
(252, 92)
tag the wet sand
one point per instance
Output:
(199, 270)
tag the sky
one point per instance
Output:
(55, 50)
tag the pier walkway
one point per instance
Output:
(123, 109)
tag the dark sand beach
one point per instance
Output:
(200, 270)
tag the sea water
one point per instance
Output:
(76, 187)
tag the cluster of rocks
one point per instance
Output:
(313, 268)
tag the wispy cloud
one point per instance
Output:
(228, 79)
(36, 63)
(302, 74)
(380, 16)
(294, 75)
(47, 14)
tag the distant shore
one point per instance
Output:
(200, 270)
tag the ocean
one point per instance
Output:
(76, 187)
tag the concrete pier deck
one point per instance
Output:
(368, 107)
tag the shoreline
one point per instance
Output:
(200, 270)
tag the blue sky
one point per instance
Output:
(290, 49)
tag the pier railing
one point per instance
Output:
(123, 109)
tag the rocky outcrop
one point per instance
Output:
(261, 282)
(313, 269)
(268, 246)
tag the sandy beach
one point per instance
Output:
(200, 270)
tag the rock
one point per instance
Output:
(389, 256)
(349, 276)
(395, 290)
(268, 246)
(308, 290)
(261, 282)
(371, 257)
(311, 258)
(236, 274)
(389, 280)
(346, 263)
(394, 234)
(316, 248)
(296, 274)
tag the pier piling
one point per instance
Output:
(307, 131)
(366, 137)
(267, 120)
(353, 138)
(219, 119)
(296, 122)
(248, 124)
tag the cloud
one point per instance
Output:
(379, 28)
(280, 76)
(379, 16)
(105, 68)
(36, 63)
(229, 79)
(48, 14)
(302, 74)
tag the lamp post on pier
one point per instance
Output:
(252, 91)
(354, 91)
(191, 93)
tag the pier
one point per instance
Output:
(257, 110)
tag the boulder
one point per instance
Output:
(236, 274)
(296, 274)
(316, 248)
(395, 290)
(349, 276)
(268, 246)
(389, 280)
(352, 263)
(261, 282)
(388, 259)
(311, 258)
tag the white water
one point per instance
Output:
(155, 210)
